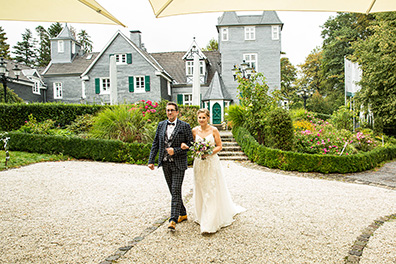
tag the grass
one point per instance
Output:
(18, 159)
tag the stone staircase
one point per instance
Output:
(231, 150)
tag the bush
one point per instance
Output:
(13, 116)
(123, 123)
(81, 125)
(280, 130)
(343, 119)
(236, 114)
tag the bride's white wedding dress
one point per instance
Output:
(213, 206)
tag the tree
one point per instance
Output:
(54, 30)
(288, 77)
(25, 51)
(85, 41)
(4, 47)
(311, 75)
(376, 56)
(213, 45)
(44, 50)
(338, 35)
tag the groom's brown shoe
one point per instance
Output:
(172, 225)
(182, 218)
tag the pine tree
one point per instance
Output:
(25, 51)
(44, 50)
(54, 30)
(85, 41)
(4, 47)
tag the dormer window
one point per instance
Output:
(190, 71)
(250, 33)
(61, 46)
(73, 47)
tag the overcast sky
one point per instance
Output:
(300, 34)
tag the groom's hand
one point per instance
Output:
(151, 166)
(171, 151)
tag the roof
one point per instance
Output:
(144, 53)
(232, 19)
(78, 66)
(217, 89)
(174, 64)
(65, 34)
(10, 65)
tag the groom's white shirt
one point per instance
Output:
(169, 129)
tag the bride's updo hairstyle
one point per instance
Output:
(205, 111)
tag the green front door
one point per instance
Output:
(216, 112)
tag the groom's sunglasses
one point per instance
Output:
(170, 110)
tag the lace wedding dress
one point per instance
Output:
(213, 206)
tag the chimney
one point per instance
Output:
(136, 37)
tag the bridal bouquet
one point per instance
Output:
(201, 148)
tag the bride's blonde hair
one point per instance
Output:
(204, 111)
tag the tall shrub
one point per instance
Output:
(280, 130)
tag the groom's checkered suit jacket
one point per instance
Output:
(181, 134)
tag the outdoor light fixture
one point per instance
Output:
(305, 93)
(4, 75)
(245, 70)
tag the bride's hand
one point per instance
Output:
(184, 146)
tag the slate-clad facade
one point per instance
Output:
(75, 77)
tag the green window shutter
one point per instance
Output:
(130, 81)
(129, 58)
(97, 85)
(201, 105)
(180, 99)
(147, 83)
(224, 104)
(209, 106)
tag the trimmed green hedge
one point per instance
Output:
(13, 116)
(79, 148)
(293, 161)
(93, 149)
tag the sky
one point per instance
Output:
(300, 33)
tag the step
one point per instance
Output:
(231, 148)
(227, 139)
(230, 144)
(231, 153)
(234, 158)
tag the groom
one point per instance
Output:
(170, 135)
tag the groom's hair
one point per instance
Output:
(174, 104)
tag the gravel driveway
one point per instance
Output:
(83, 212)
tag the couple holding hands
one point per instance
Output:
(213, 206)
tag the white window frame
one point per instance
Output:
(121, 58)
(36, 87)
(58, 90)
(275, 32)
(105, 85)
(61, 46)
(253, 63)
(250, 33)
(190, 68)
(140, 84)
(189, 100)
(73, 47)
(224, 34)
(83, 90)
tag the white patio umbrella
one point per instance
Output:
(72, 11)
(163, 8)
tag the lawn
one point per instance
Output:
(18, 159)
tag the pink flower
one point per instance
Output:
(149, 120)
(142, 101)
(146, 106)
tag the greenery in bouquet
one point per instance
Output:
(200, 148)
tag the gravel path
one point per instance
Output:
(82, 212)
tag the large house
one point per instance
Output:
(124, 72)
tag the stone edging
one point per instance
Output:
(361, 241)
(123, 250)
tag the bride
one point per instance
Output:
(213, 206)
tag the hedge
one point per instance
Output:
(293, 161)
(13, 116)
(79, 148)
